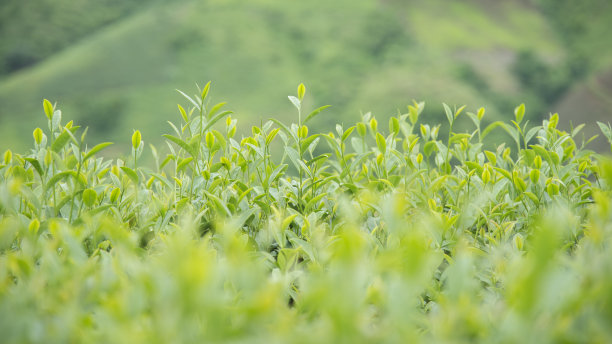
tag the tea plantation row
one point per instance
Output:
(371, 233)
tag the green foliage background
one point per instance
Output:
(379, 219)
(372, 233)
(111, 63)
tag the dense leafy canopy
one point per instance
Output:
(369, 233)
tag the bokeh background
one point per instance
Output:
(114, 65)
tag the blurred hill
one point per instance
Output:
(114, 64)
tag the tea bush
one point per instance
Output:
(365, 234)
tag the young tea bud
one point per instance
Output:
(374, 125)
(136, 139)
(519, 183)
(534, 175)
(226, 163)
(48, 158)
(519, 242)
(303, 132)
(424, 130)
(552, 189)
(361, 129)
(486, 176)
(434, 132)
(419, 158)
(114, 196)
(519, 112)
(34, 226)
(301, 91)
(506, 154)
(38, 136)
(210, 140)
(537, 162)
(48, 107)
(413, 113)
(8, 157)
(480, 113)
(394, 126)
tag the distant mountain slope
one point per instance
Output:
(32, 30)
(357, 55)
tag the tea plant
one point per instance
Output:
(359, 235)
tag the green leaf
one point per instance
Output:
(295, 159)
(605, 129)
(130, 173)
(307, 142)
(61, 140)
(36, 165)
(205, 90)
(216, 119)
(242, 219)
(296, 102)
(220, 139)
(314, 113)
(459, 137)
(162, 179)
(287, 221)
(541, 151)
(284, 128)
(504, 172)
(315, 200)
(429, 148)
(183, 164)
(413, 114)
(182, 144)
(381, 143)
(183, 113)
(272, 135)
(491, 127)
(278, 171)
(99, 209)
(189, 98)
(317, 158)
(219, 204)
(56, 178)
(532, 196)
(519, 112)
(216, 108)
(48, 107)
(96, 149)
(492, 157)
(89, 197)
(449, 113)
(347, 133)
(531, 133)
(245, 193)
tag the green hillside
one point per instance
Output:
(359, 56)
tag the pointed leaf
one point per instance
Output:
(130, 173)
(181, 144)
(315, 112)
(96, 149)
